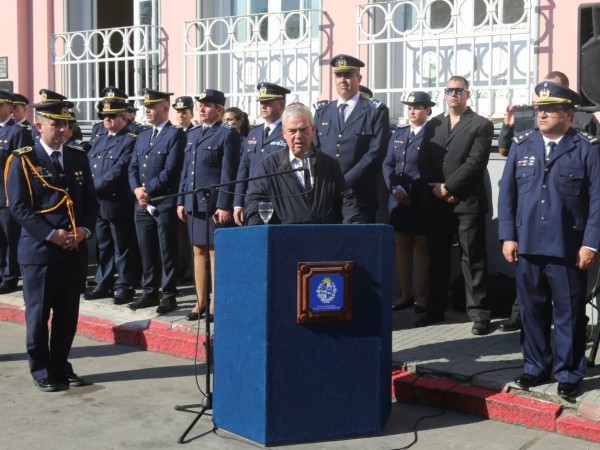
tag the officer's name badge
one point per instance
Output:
(324, 124)
(398, 142)
(526, 162)
(252, 141)
(280, 143)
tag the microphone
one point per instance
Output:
(308, 166)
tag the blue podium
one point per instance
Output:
(279, 382)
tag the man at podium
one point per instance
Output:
(316, 193)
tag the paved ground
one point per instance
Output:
(129, 404)
(447, 351)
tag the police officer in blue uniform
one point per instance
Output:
(113, 93)
(51, 194)
(355, 131)
(47, 96)
(403, 180)
(261, 140)
(12, 136)
(109, 158)
(184, 106)
(154, 171)
(549, 226)
(19, 114)
(212, 156)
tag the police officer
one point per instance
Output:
(19, 114)
(184, 106)
(109, 157)
(406, 188)
(354, 130)
(262, 140)
(51, 194)
(47, 96)
(12, 136)
(549, 226)
(212, 156)
(154, 171)
(112, 93)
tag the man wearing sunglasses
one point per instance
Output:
(452, 161)
(117, 248)
(549, 226)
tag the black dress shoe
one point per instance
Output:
(146, 300)
(512, 324)
(167, 304)
(193, 315)
(7, 288)
(402, 305)
(567, 390)
(428, 319)
(122, 297)
(527, 381)
(97, 293)
(46, 384)
(72, 379)
(481, 327)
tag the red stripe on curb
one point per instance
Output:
(572, 425)
(529, 412)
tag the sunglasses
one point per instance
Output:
(457, 91)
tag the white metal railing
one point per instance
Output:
(233, 54)
(420, 44)
(87, 61)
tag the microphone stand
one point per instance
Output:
(206, 403)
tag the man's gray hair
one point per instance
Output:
(297, 109)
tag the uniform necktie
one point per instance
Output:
(551, 147)
(56, 160)
(411, 136)
(342, 113)
(266, 133)
(154, 134)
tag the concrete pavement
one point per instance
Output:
(130, 404)
(441, 366)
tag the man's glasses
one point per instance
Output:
(548, 109)
(457, 91)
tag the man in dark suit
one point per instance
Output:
(154, 171)
(12, 136)
(453, 159)
(549, 226)
(355, 131)
(261, 140)
(318, 195)
(109, 157)
(51, 194)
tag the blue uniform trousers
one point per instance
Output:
(552, 290)
(55, 287)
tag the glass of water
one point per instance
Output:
(265, 209)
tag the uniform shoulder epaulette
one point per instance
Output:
(321, 104)
(133, 135)
(22, 151)
(376, 103)
(226, 125)
(588, 136)
(77, 145)
(523, 136)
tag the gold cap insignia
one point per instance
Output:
(44, 97)
(201, 96)
(263, 90)
(341, 62)
(65, 111)
(146, 97)
(180, 104)
(411, 98)
(110, 94)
